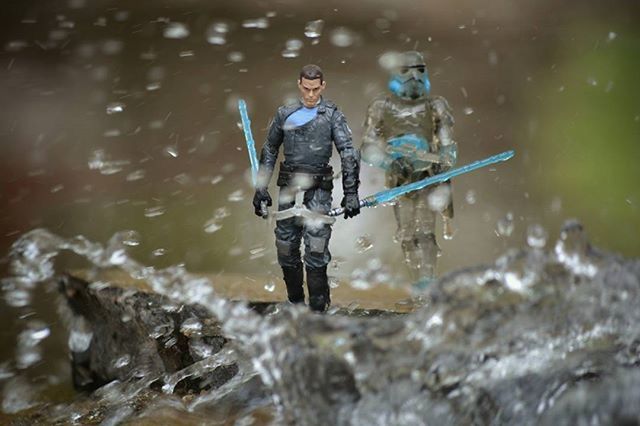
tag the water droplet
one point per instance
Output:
(217, 33)
(592, 81)
(130, 238)
(256, 252)
(186, 54)
(235, 57)
(342, 37)
(155, 211)
(334, 282)
(493, 58)
(259, 23)
(176, 30)
(171, 151)
(270, 286)
(364, 243)
(122, 361)
(467, 111)
(536, 236)
(191, 327)
(313, 29)
(212, 226)
(439, 198)
(290, 53)
(136, 175)
(505, 226)
(115, 107)
(390, 60)
(611, 36)
(159, 252)
(112, 47)
(294, 44)
(236, 196)
(470, 197)
(79, 340)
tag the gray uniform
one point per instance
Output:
(307, 150)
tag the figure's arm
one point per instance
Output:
(269, 153)
(373, 141)
(350, 159)
(268, 157)
(443, 119)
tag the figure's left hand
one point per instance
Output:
(351, 205)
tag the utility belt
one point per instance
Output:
(306, 177)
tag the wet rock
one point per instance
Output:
(120, 333)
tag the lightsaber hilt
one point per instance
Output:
(365, 202)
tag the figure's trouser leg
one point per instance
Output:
(288, 237)
(416, 226)
(316, 250)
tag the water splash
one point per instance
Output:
(510, 340)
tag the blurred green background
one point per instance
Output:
(556, 82)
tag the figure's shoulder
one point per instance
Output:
(440, 105)
(378, 104)
(287, 109)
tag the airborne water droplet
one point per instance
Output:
(342, 37)
(259, 23)
(505, 226)
(364, 243)
(536, 236)
(313, 29)
(470, 197)
(154, 211)
(115, 107)
(270, 286)
(176, 30)
(235, 57)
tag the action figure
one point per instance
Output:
(409, 134)
(307, 129)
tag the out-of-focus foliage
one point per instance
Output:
(587, 147)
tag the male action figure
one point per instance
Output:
(307, 129)
(409, 134)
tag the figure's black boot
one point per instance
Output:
(318, 285)
(293, 279)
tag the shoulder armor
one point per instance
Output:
(440, 106)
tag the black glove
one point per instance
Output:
(351, 205)
(261, 196)
(402, 167)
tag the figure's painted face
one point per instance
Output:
(310, 90)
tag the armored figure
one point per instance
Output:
(409, 134)
(307, 130)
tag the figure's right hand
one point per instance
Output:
(261, 196)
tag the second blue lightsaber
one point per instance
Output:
(251, 145)
(393, 193)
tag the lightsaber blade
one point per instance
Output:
(393, 193)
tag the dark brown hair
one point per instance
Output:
(311, 72)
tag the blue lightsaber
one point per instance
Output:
(251, 145)
(251, 149)
(393, 193)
